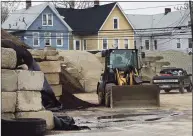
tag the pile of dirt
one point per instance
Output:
(175, 58)
(69, 101)
(82, 70)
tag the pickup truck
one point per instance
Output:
(173, 78)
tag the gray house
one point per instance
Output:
(39, 26)
(166, 31)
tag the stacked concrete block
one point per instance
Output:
(21, 96)
(50, 64)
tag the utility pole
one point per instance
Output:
(191, 19)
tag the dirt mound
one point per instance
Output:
(175, 58)
(82, 70)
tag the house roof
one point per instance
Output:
(172, 19)
(86, 21)
(15, 20)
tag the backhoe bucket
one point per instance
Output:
(135, 96)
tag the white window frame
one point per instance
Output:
(84, 41)
(117, 43)
(37, 38)
(61, 37)
(127, 43)
(47, 19)
(149, 45)
(75, 44)
(103, 43)
(114, 23)
(45, 37)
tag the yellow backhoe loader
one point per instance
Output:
(120, 85)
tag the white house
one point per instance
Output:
(165, 31)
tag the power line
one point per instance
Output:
(153, 7)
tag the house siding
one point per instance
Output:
(123, 24)
(58, 26)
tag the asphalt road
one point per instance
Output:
(173, 118)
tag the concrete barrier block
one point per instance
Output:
(36, 52)
(52, 58)
(50, 66)
(57, 89)
(47, 115)
(8, 101)
(29, 101)
(53, 78)
(30, 80)
(8, 58)
(51, 52)
(7, 116)
(8, 80)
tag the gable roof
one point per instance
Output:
(172, 19)
(89, 20)
(29, 15)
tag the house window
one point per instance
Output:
(105, 45)
(35, 39)
(116, 43)
(47, 38)
(84, 44)
(126, 43)
(178, 43)
(147, 44)
(155, 44)
(116, 23)
(190, 42)
(77, 44)
(59, 39)
(47, 19)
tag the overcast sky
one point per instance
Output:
(132, 4)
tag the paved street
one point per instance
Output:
(173, 118)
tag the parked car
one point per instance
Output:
(173, 78)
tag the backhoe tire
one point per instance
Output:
(101, 98)
(108, 88)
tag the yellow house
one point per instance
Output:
(99, 27)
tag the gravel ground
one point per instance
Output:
(173, 118)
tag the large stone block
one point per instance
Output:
(51, 52)
(47, 115)
(53, 78)
(8, 58)
(8, 80)
(50, 66)
(8, 101)
(52, 58)
(28, 101)
(30, 80)
(57, 89)
(7, 116)
(36, 52)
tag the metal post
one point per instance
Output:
(191, 19)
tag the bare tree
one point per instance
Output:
(8, 7)
(81, 4)
(183, 7)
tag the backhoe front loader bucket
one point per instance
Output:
(134, 96)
